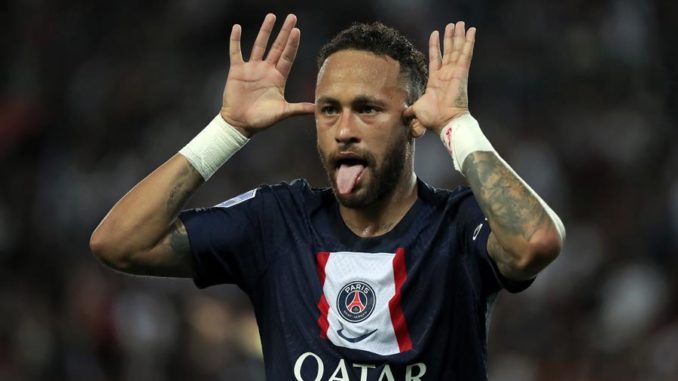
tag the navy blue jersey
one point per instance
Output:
(412, 304)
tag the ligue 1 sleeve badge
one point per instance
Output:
(356, 301)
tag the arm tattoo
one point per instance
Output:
(503, 198)
(175, 261)
(178, 239)
(180, 192)
(170, 255)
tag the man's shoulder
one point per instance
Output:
(438, 196)
(297, 187)
(295, 194)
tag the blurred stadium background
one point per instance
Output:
(578, 95)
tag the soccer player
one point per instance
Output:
(380, 276)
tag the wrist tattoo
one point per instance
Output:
(181, 190)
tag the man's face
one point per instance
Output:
(363, 142)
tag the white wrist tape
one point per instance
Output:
(213, 146)
(461, 137)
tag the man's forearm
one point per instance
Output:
(522, 225)
(511, 208)
(141, 234)
(146, 215)
(187, 181)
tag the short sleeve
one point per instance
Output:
(226, 242)
(476, 231)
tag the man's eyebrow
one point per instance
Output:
(360, 99)
(326, 99)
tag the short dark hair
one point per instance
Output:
(381, 40)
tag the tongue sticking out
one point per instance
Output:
(347, 175)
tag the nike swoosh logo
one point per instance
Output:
(477, 231)
(354, 339)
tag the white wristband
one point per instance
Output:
(461, 137)
(213, 146)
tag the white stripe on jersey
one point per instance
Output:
(363, 302)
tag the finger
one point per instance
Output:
(260, 43)
(302, 108)
(281, 41)
(234, 51)
(289, 54)
(434, 58)
(467, 50)
(457, 41)
(409, 114)
(417, 128)
(448, 44)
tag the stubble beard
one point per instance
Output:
(384, 179)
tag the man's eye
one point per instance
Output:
(368, 110)
(328, 110)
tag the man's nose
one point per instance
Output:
(347, 130)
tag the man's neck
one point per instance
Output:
(382, 216)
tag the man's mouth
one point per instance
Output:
(349, 169)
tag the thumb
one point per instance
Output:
(302, 108)
(409, 113)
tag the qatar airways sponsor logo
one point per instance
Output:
(340, 371)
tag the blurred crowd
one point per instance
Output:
(579, 96)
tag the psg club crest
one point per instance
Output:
(356, 301)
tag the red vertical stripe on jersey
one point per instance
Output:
(397, 316)
(321, 259)
(323, 306)
(323, 323)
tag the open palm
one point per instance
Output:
(254, 95)
(446, 94)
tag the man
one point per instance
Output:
(380, 277)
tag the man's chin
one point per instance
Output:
(355, 199)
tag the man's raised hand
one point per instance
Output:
(446, 95)
(254, 94)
